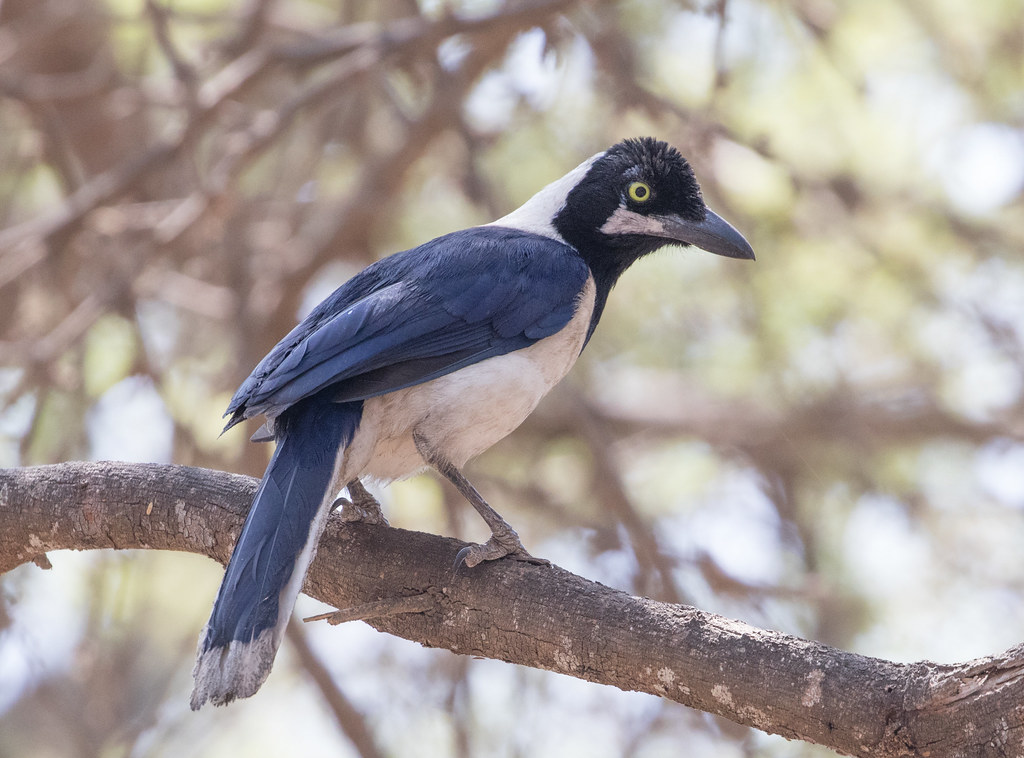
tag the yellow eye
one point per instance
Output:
(639, 192)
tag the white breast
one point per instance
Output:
(464, 413)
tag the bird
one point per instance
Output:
(424, 359)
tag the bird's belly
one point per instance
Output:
(465, 412)
(461, 414)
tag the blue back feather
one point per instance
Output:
(420, 314)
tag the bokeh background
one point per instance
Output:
(828, 442)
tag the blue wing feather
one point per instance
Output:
(421, 314)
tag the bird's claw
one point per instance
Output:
(364, 512)
(498, 546)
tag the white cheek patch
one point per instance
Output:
(624, 221)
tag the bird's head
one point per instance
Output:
(630, 200)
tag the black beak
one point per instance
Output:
(714, 234)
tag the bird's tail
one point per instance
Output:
(276, 546)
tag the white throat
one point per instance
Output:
(538, 213)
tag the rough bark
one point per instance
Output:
(543, 617)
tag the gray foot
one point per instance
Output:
(504, 540)
(502, 543)
(363, 506)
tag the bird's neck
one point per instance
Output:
(607, 263)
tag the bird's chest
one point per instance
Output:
(465, 412)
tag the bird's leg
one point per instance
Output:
(504, 539)
(362, 507)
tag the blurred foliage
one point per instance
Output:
(829, 441)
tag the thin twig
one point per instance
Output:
(349, 719)
(183, 70)
(646, 548)
(377, 609)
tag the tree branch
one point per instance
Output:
(543, 617)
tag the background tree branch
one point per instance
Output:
(543, 617)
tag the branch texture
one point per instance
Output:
(542, 617)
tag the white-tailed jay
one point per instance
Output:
(427, 358)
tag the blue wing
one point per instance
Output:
(418, 315)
